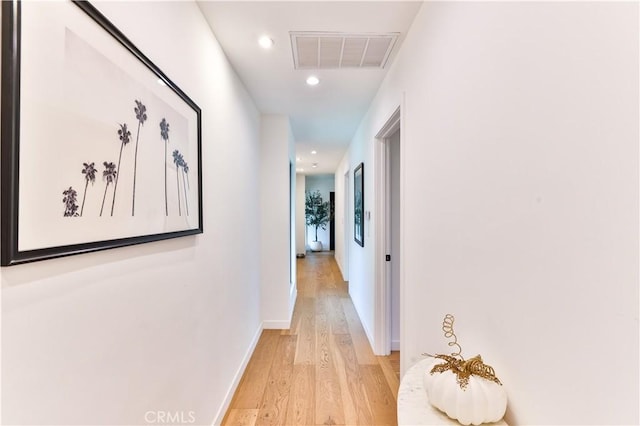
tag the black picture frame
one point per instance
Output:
(84, 128)
(358, 204)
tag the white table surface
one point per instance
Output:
(413, 405)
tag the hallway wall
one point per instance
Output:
(277, 233)
(105, 338)
(520, 163)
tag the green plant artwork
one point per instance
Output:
(316, 211)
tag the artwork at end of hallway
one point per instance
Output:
(317, 215)
(474, 394)
(358, 204)
(93, 134)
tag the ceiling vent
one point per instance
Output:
(316, 50)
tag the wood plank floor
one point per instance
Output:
(322, 370)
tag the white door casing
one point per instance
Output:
(382, 296)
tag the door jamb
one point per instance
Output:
(346, 220)
(382, 312)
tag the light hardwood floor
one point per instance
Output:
(322, 371)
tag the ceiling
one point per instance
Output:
(324, 117)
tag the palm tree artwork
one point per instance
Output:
(125, 137)
(69, 200)
(112, 171)
(89, 172)
(180, 163)
(177, 160)
(141, 116)
(109, 175)
(185, 170)
(164, 135)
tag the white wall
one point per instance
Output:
(325, 184)
(278, 289)
(361, 260)
(520, 163)
(301, 227)
(103, 338)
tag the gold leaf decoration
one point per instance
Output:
(464, 369)
(457, 364)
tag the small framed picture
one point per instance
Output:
(358, 203)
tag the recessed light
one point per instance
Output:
(297, 158)
(314, 152)
(313, 80)
(266, 42)
(300, 170)
(314, 165)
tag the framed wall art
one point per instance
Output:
(358, 204)
(100, 149)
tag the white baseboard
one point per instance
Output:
(369, 335)
(236, 379)
(293, 295)
(345, 277)
(395, 345)
(276, 325)
(283, 324)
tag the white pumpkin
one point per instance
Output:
(480, 401)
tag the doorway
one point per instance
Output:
(324, 184)
(393, 201)
(332, 221)
(388, 250)
(346, 221)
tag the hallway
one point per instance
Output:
(322, 371)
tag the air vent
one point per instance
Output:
(315, 50)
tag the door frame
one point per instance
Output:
(332, 221)
(346, 225)
(382, 297)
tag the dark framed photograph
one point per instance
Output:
(100, 149)
(358, 204)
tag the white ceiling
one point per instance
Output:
(324, 117)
